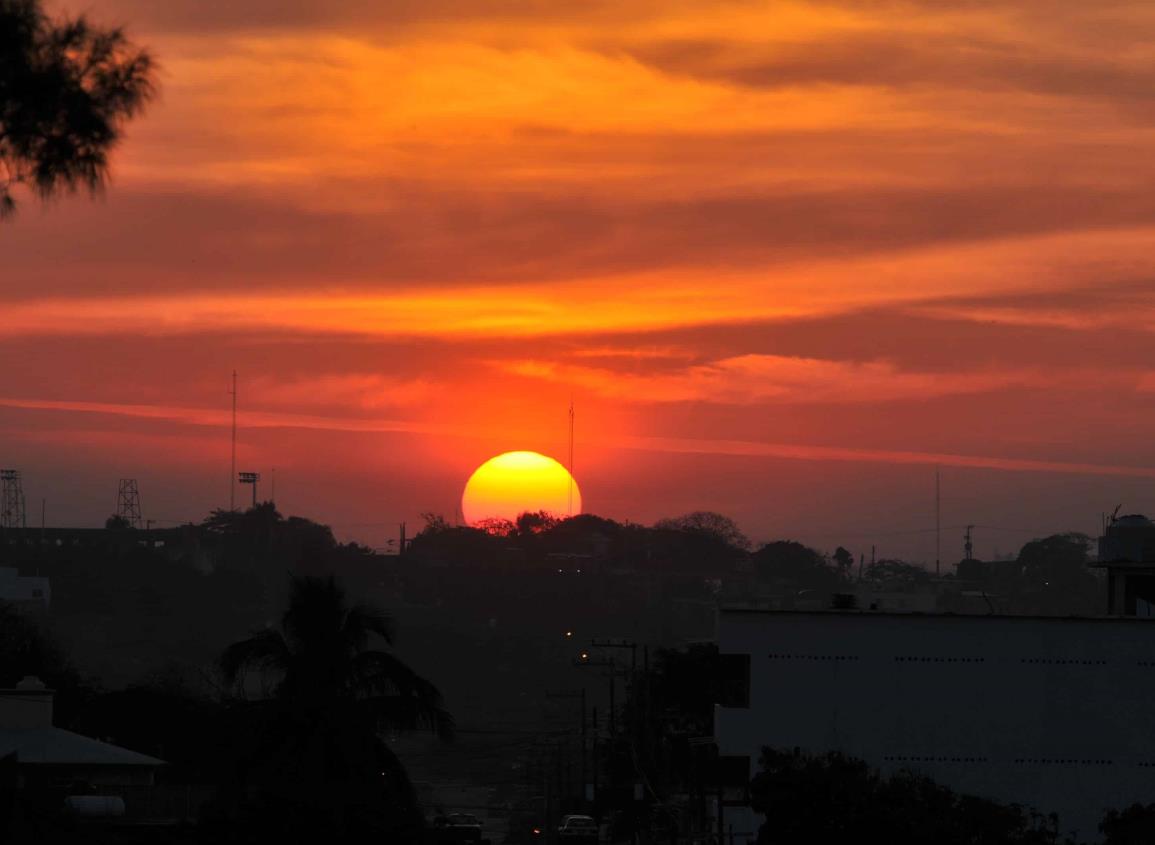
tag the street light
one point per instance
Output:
(250, 478)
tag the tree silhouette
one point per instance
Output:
(709, 523)
(1060, 558)
(830, 799)
(315, 761)
(791, 562)
(896, 573)
(66, 89)
(1132, 826)
(844, 560)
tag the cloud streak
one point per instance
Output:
(756, 379)
(671, 445)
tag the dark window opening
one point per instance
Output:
(734, 686)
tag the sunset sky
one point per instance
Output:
(786, 258)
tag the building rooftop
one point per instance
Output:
(738, 608)
(58, 747)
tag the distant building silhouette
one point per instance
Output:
(1127, 552)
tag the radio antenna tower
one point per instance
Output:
(128, 502)
(937, 524)
(11, 499)
(571, 416)
(233, 462)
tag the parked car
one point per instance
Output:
(456, 827)
(578, 829)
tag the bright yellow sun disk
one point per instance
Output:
(518, 482)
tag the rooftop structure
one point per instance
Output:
(1127, 552)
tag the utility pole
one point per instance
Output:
(580, 695)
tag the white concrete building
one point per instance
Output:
(1051, 713)
(19, 589)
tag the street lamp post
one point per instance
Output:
(250, 478)
(580, 695)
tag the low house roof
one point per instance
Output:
(58, 747)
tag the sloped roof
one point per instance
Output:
(58, 747)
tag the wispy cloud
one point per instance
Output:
(751, 379)
(364, 391)
(672, 445)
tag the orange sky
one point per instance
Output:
(786, 258)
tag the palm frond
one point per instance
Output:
(362, 621)
(408, 713)
(264, 650)
(403, 698)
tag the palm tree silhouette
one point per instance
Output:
(314, 759)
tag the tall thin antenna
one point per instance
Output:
(233, 462)
(968, 545)
(937, 524)
(571, 415)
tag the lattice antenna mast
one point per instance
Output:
(571, 420)
(937, 524)
(233, 463)
(11, 499)
(128, 502)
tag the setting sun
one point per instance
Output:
(511, 484)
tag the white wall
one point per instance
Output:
(17, 588)
(1058, 714)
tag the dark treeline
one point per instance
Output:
(125, 606)
(1050, 575)
(494, 616)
